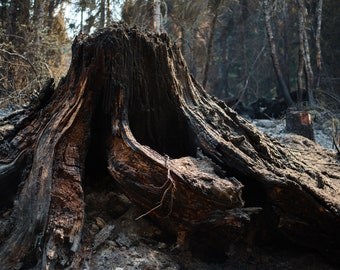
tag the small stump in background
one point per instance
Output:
(300, 123)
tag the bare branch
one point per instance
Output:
(22, 57)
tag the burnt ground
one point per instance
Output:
(140, 245)
(114, 239)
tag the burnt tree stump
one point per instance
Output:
(128, 105)
(300, 122)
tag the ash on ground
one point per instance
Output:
(277, 128)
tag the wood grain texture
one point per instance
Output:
(129, 106)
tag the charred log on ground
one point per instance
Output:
(129, 106)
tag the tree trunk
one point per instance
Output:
(108, 12)
(317, 44)
(286, 47)
(38, 18)
(300, 74)
(222, 89)
(306, 51)
(157, 16)
(128, 106)
(102, 13)
(278, 71)
(210, 46)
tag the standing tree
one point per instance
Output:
(157, 16)
(98, 13)
(273, 51)
(305, 52)
(139, 12)
(214, 5)
(192, 163)
(318, 44)
(306, 80)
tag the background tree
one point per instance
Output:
(139, 12)
(157, 16)
(238, 53)
(214, 6)
(226, 48)
(32, 37)
(274, 55)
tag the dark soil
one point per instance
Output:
(116, 240)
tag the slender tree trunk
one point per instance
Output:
(157, 16)
(187, 39)
(222, 90)
(102, 14)
(81, 20)
(209, 48)
(243, 24)
(282, 83)
(300, 74)
(108, 12)
(51, 7)
(307, 61)
(286, 43)
(317, 44)
(38, 18)
(309, 71)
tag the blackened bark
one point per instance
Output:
(187, 159)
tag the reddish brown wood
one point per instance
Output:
(128, 107)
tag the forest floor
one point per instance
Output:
(276, 128)
(116, 240)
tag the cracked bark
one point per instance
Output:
(191, 162)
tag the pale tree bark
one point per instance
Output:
(157, 17)
(108, 12)
(82, 5)
(277, 68)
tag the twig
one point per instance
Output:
(171, 186)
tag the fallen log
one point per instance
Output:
(128, 106)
